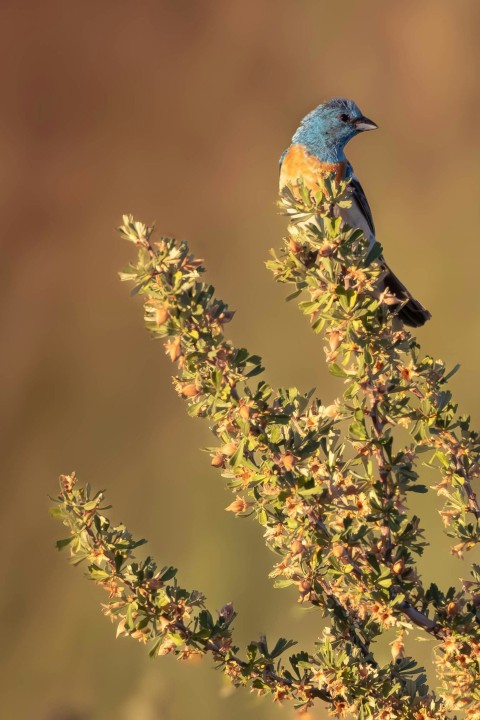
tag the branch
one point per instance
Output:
(149, 608)
(290, 474)
(324, 481)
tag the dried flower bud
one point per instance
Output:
(398, 648)
(331, 411)
(294, 246)
(244, 411)
(154, 583)
(173, 349)
(164, 622)
(334, 340)
(226, 316)
(297, 547)
(189, 390)
(238, 506)
(190, 655)
(452, 609)
(166, 647)
(288, 461)
(227, 612)
(327, 250)
(121, 632)
(229, 448)
(304, 587)
(362, 671)
(218, 460)
(399, 566)
(338, 550)
(161, 315)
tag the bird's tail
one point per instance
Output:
(412, 312)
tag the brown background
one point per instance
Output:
(178, 111)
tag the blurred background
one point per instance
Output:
(178, 111)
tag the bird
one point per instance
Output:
(317, 150)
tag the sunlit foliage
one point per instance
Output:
(331, 485)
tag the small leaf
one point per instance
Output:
(336, 370)
(60, 544)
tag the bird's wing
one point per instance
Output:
(358, 215)
(360, 199)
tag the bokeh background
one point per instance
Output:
(177, 110)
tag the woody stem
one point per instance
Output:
(383, 470)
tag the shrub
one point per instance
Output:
(330, 484)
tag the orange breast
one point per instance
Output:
(298, 164)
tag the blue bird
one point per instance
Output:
(317, 150)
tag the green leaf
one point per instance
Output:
(374, 253)
(282, 583)
(60, 544)
(167, 574)
(281, 645)
(338, 371)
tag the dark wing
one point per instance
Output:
(412, 312)
(360, 199)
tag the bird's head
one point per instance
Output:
(327, 129)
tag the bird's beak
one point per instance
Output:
(364, 123)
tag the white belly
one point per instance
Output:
(354, 218)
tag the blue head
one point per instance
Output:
(326, 130)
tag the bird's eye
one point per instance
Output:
(344, 117)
